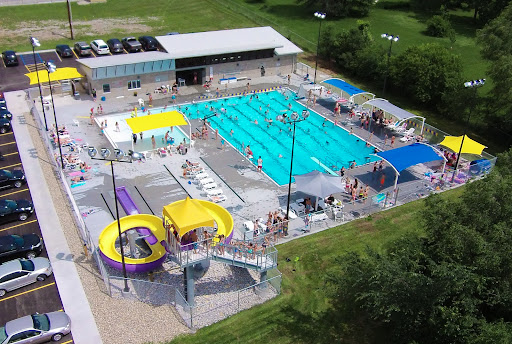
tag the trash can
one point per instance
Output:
(103, 98)
(77, 95)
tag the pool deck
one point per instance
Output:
(158, 181)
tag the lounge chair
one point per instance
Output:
(209, 186)
(147, 155)
(217, 199)
(162, 152)
(206, 181)
(400, 129)
(214, 192)
(202, 175)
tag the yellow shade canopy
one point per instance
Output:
(470, 146)
(159, 120)
(66, 73)
(188, 215)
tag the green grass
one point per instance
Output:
(302, 289)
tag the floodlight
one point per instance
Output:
(294, 116)
(92, 151)
(34, 41)
(119, 153)
(105, 152)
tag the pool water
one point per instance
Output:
(319, 145)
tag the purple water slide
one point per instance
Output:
(130, 208)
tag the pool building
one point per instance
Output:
(225, 56)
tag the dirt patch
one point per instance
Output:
(48, 30)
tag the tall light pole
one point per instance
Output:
(119, 156)
(321, 16)
(35, 43)
(294, 118)
(50, 68)
(391, 38)
(474, 84)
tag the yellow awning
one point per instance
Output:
(187, 215)
(159, 120)
(66, 73)
(470, 146)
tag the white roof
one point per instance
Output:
(226, 41)
(123, 59)
(385, 105)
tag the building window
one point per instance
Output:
(133, 84)
(106, 88)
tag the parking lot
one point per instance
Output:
(40, 297)
(14, 78)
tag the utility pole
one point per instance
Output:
(70, 20)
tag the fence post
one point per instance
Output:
(396, 195)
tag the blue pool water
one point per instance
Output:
(332, 146)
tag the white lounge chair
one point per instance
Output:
(210, 186)
(200, 176)
(217, 199)
(162, 152)
(206, 181)
(147, 155)
(400, 129)
(408, 132)
(214, 192)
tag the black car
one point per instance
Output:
(10, 58)
(15, 246)
(148, 43)
(9, 179)
(131, 44)
(4, 113)
(64, 50)
(5, 125)
(19, 210)
(115, 45)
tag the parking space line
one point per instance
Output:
(58, 56)
(21, 224)
(9, 133)
(12, 165)
(4, 63)
(8, 143)
(75, 54)
(15, 192)
(69, 341)
(11, 154)
(26, 292)
(125, 51)
(93, 54)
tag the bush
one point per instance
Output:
(439, 26)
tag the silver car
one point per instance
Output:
(36, 328)
(21, 272)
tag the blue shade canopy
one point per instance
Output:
(344, 86)
(407, 156)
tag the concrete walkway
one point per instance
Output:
(73, 297)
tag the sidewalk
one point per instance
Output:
(73, 297)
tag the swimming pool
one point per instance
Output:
(319, 145)
(123, 137)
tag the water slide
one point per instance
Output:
(109, 235)
(222, 217)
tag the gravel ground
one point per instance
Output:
(134, 321)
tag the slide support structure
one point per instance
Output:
(189, 287)
(263, 279)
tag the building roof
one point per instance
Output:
(226, 41)
(122, 59)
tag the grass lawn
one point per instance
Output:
(302, 289)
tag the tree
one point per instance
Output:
(341, 8)
(495, 40)
(453, 285)
(426, 72)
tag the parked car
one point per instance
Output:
(21, 272)
(15, 210)
(131, 44)
(10, 58)
(64, 50)
(5, 125)
(148, 43)
(14, 246)
(3, 103)
(115, 45)
(83, 49)
(9, 179)
(36, 328)
(100, 47)
(4, 113)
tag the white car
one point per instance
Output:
(100, 47)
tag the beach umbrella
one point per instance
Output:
(470, 146)
(65, 73)
(318, 184)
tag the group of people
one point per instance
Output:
(356, 191)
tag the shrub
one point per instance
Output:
(439, 26)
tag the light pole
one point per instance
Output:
(391, 38)
(50, 68)
(119, 154)
(35, 43)
(294, 118)
(321, 16)
(474, 84)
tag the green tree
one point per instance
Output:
(426, 73)
(341, 8)
(495, 40)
